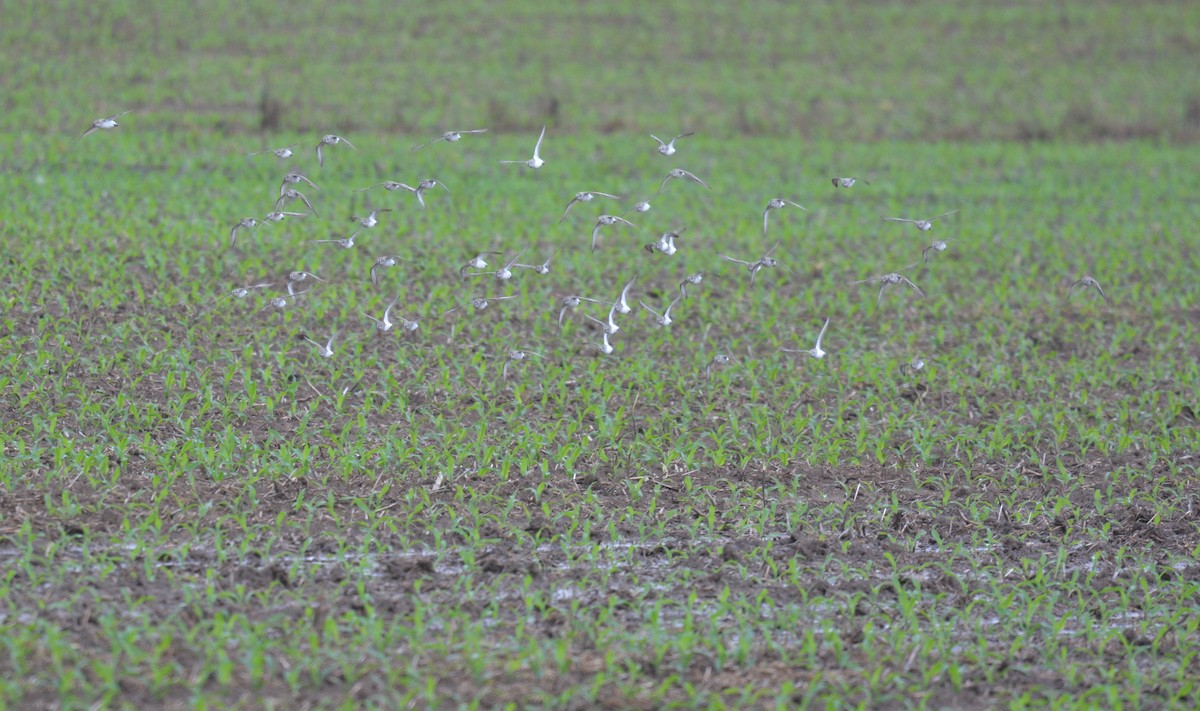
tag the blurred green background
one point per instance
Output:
(912, 70)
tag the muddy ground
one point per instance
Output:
(671, 566)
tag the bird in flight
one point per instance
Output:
(586, 196)
(280, 303)
(759, 264)
(569, 302)
(663, 319)
(412, 325)
(371, 218)
(477, 262)
(667, 148)
(605, 347)
(938, 245)
(103, 124)
(516, 356)
(777, 204)
(718, 359)
(504, 273)
(665, 243)
(815, 351)
(280, 153)
(387, 260)
(622, 305)
(536, 161)
(450, 137)
(694, 280)
(604, 221)
(891, 279)
(923, 225)
(294, 179)
(242, 292)
(343, 242)
(280, 216)
(288, 194)
(543, 268)
(330, 140)
(385, 323)
(1085, 283)
(298, 276)
(390, 185)
(422, 186)
(848, 182)
(419, 191)
(325, 351)
(246, 223)
(610, 326)
(641, 205)
(678, 173)
(480, 303)
(913, 365)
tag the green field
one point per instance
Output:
(830, 69)
(197, 510)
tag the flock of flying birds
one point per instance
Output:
(290, 193)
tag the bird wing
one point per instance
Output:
(538, 146)
(429, 143)
(822, 333)
(667, 313)
(644, 306)
(625, 289)
(568, 208)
